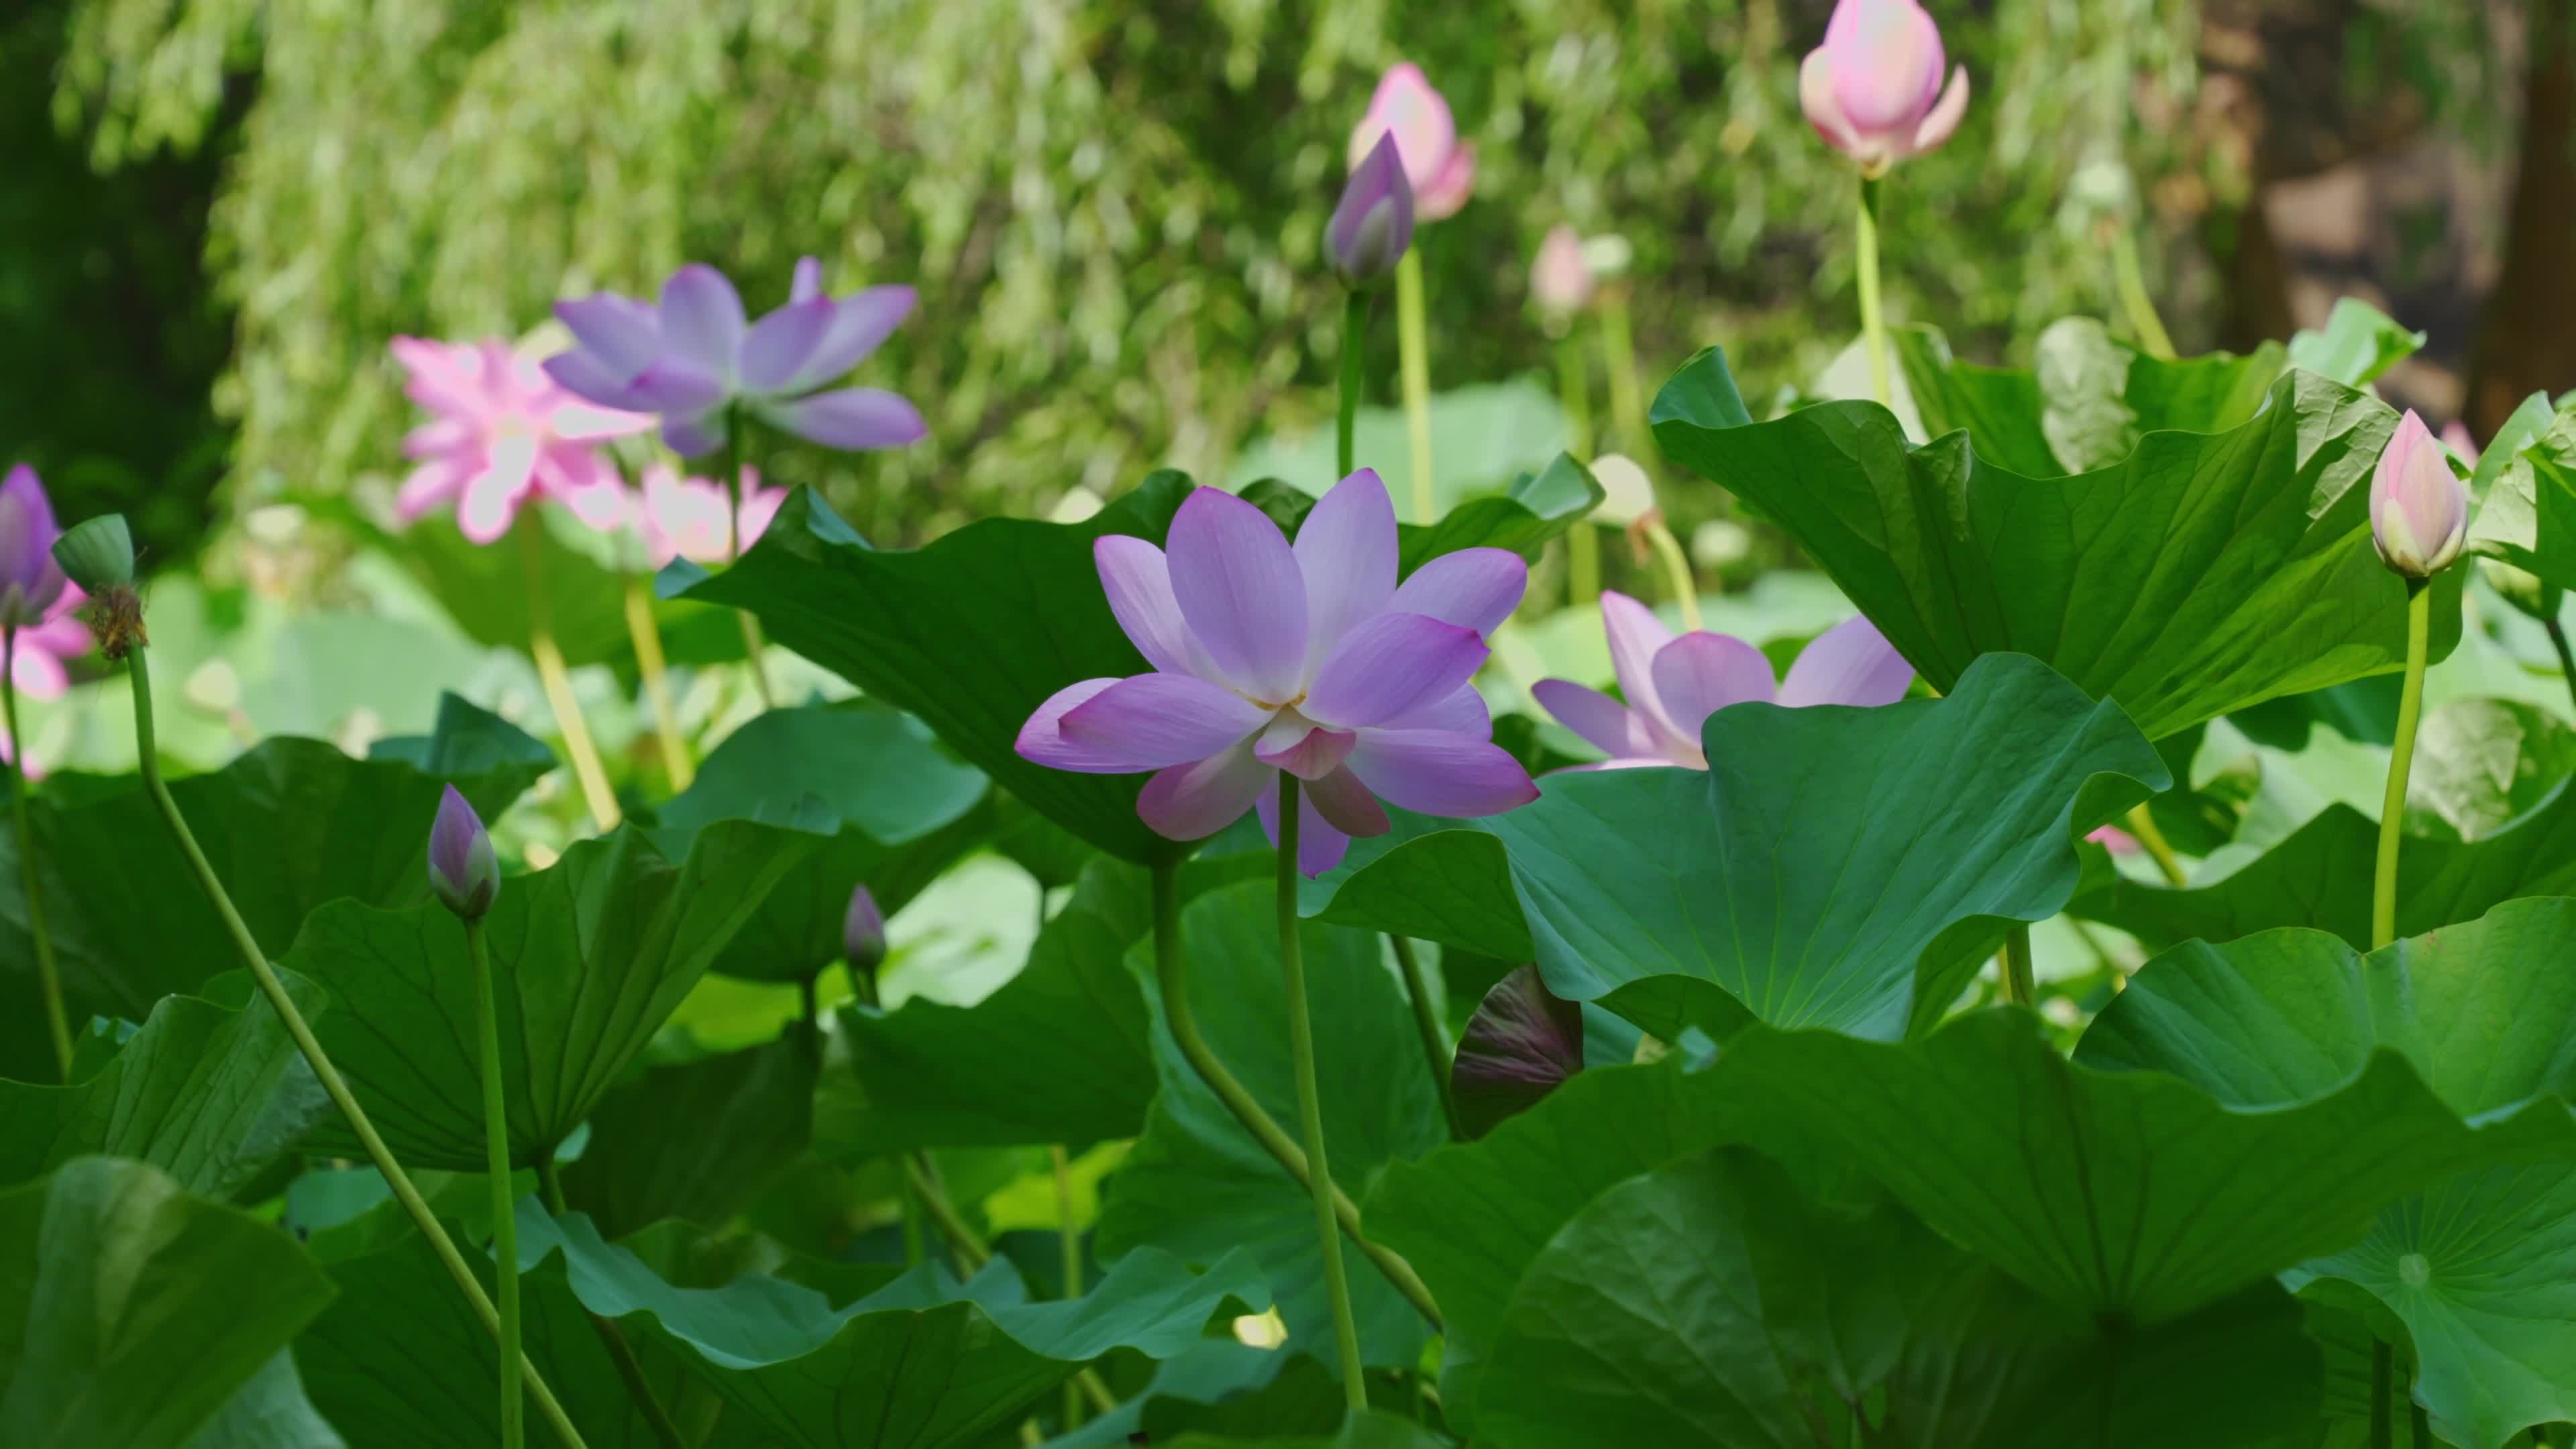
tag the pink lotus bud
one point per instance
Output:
(1374, 222)
(863, 939)
(1441, 168)
(1873, 89)
(1560, 279)
(2419, 510)
(463, 872)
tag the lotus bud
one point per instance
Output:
(1373, 224)
(2419, 509)
(1440, 167)
(463, 872)
(1560, 279)
(863, 938)
(30, 580)
(1873, 89)
(1522, 1043)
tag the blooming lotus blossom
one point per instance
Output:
(1441, 168)
(1873, 89)
(692, 358)
(37, 668)
(500, 433)
(1674, 685)
(31, 583)
(1373, 223)
(2419, 509)
(1560, 279)
(464, 873)
(1309, 659)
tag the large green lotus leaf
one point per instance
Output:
(1713, 1302)
(289, 825)
(1366, 1429)
(2357, 344)
(971, 633)
(2202, 573)
(2482, 1267)
(1060, 1053)
(1535, 508)
(1821, 871)
(922, 1363)
(2084, 401)
(2526, 484)
(271, 1412)
(697, 1140)
(211, 1090)
(130, 1312)
(2482, 763)
(906, 811)
(1197, 1184)
(589, 957)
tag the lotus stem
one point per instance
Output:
(1619, 363)
(735, 460)
(665, 1430)
(1426, 1024)
(2557, 640)
(2131, 280)
(49, 979)
(1310, 1102)
(328, 1075)
(2020, 988)
(1413, 358)
(973, 1253)
(1354, 349)
(1582, 542)
(2401, 761)
(2142, 824)
(2383, 1382)
(1677, 569)
(586, 767)
(1069, 1239)
(1873, 326)
(496, 1141)
(1183, 1024)
(647, 635)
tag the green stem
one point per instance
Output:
(2019, 986)
(1413, 358)
(496, 1146)
(647, 638)
(2131, 280)
(2557, 639)
(1310, 1100)
(1873, 326)
(323, 1071)
(1183, 1025)
(736, 458)
(665, 1430)
(557, 678)
(1426, 1024)
(2383, 1365)
(48, 978)
(2142, 824)
(913, 1247)
(2419, 1426)
(2401, 760)
(1677, 570)
(1068, 1236)
(1619, 363)
(1582, 541)
(1354, 353)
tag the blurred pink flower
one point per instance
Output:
(2115, 840)
(37, 669)
(1441, 167)
(30, 581)
(685, 517)
(2455, 436)
(34, 766)
(1560, 279)
(1873, 89)
(500, 433)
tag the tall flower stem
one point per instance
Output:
(666, 1432)
(496, 1144)
(1426, 1024)
(586, 768)
(972, 1253)
(2142, 824)
(734, 462)
(323, 1071)
(1068, 1237)
(2383, 1382)
(647, 637)
(1619, 366)
(1677, 569)
(1310, 1100)
(2131, 279)
(2401, 761)
(49, 979)
(1873, 326)
(2557, 640)
(1183, 1024)
(1413, 359)
(2019, 986)
(1354, 350)
(1582, 541)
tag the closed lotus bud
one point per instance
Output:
(1373, 224)
(463, 872)
(1873, 90)
(2419, 509)
(30, 580)
(1560, 279)
(863, 933)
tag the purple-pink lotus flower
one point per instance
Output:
(1873, 89)
(1441, 167)
(463, 872)
(1373, 223)
(693, 358)
(2419, 508)
(31, 583)
(1674, 685)
(1310, 659)
(500, 434)
(679, 517)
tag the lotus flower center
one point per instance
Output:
(1274, 706)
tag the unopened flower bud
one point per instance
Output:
(863, 933)
(463, 872)
(1373, 224)
(2419, 509)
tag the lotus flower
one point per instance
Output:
(693, 358)
(30, 768)
(1311, 659)
(31, 583)
(500, 434)
(2419, 509)
(1674, 685)
(2115, 840)
(1560, 279)
(1441, 168)
(1873, 89)
(463, 872)
(863, 940)
(1373, 223)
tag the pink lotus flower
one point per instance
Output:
(499, 435)
(32, 768)
(2419, 509)
(1310, 659)
(31, 583)
(1441, 167)
(1873, 89)
(1674, 685)
(685, 517)
(1560, 280)
(2115, 840)
(693, 359)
